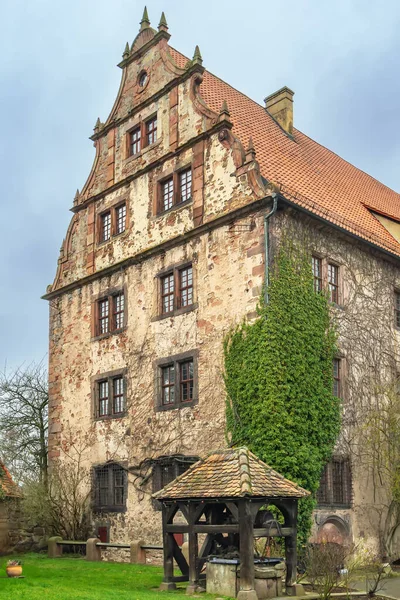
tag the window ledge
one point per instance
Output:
(164, 407)
(176, 313)
(173, 208)
(109, 509)
(111, 417)
(333, 507)
(143, 151)
(103, 336)
(112, 238)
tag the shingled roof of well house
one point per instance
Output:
(309, 175)
(232, 473)
(10, 489)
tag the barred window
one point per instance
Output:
(120, 214)
(166, 469)
(333, 283)
(397, 309)
(135, 141)
(168, 193)
(110, 488)
(185, 185)
(151, 131)
(335, 484)
(317, 273)
(110, 313)
(177, 381)
(111, 397)
(105, 226)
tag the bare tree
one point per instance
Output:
(24, 421)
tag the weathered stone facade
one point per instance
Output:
(220, 231)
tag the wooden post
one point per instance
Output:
(168, 554)
(193, 552)
(291, 543)
(138, 555)
(246, 535)
(54, 548)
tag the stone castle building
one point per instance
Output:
(170, 242)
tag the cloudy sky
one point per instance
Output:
(58, 74)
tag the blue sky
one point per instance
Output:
(58, 74)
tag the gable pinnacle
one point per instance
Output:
(197, 58)
(250, 152)
(97, 126)
(224, 109)
(126, 51)
(145, 22)
(163, 25)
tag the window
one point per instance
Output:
(110, 313)
(111, 396)
(336, 378)
(168, 193)
(105, 233)
(135, 141)
(175, 189)
(142, 79)
(176, 289)
(185, 185)
(113, 222)
(335, 484)
(397, 309)
(317, 273)
(110, 488)
(166, 469)
(333, 283)
(151, 131)
(120, 217)
(177, 381)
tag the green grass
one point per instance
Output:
(76, 579)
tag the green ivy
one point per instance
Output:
(279, 380)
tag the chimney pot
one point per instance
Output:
(280, 106)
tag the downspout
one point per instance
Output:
(266, 243)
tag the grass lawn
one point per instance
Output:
(76, 579)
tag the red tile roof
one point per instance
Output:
(232, 473)
(10, 489)
(309, 174)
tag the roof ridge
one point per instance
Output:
(244, 470)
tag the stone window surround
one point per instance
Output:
(109, 508)
(176, 359)
(108, 293)
(175, 268)
(325, 260)
(342, 375)
(396, 297)
(108, 375)
(141, 123)
(112, 209)
(173, 172)
(348, 483)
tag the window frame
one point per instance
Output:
(316, 278)
(326, 492)
(113, 211)
(397, 308)
(177, 360)
(324, 279)
(177, 201)
(143, 127)
(339, 378)
(110, 296)
(336, 285)
(110, 505)
(109, 378)
(176, 272)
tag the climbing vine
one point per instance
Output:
(278, 377)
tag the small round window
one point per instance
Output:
(143, 77)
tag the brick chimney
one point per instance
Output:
(280, 106)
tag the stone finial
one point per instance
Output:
(224, 114)
(197, 58)
(76, 197)
(145, 22)
(126, 52)
(250, 152)
(97, 126)
(163, 25)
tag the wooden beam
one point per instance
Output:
(269, 532)
(177, 528)
(168, 553)
(234, 510)
(193, 548)
(207, 528)
(246, 546)
(180, 560)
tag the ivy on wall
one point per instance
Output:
(278, 378)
